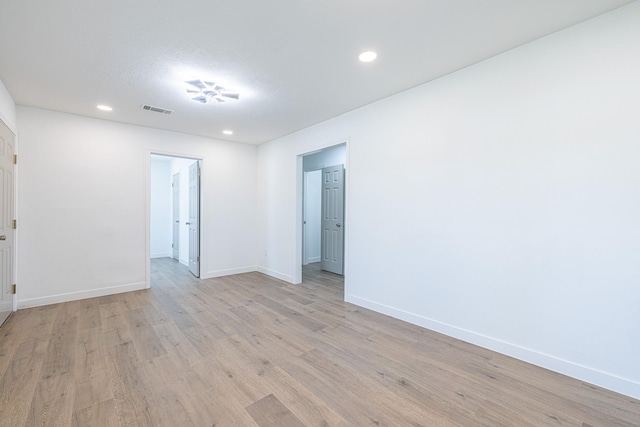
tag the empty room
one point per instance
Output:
(320, 213)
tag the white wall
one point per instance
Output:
(161, 231)
(331, 156)
(312, 216)
(7, 109)
(181, 166)
(498, 204)
(84, 204)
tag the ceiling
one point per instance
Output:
(293, 61)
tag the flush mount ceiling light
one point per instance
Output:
(206, 92)
(227, 132)
(104, 107)
(367, 56)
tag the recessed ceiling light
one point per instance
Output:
(367, 56)
(104, 107)
(227, 132)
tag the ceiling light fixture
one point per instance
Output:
(104, 107)
(227, 132)
(367, 56)
(206, 92)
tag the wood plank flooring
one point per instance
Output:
(250, 350)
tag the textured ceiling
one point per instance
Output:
(294, 61)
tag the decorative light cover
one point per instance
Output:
(206, 92)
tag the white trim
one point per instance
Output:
(162, 255)
(276, 274)
(298, 233)
(229, 272)
(147, 224)
(584, 373)
(313, 259)
(347, 212)
(74, 296)
(321, 146)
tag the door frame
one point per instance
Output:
(175, 236)
(298, 231)
(195, 167)
(203, 208)
(14, 213)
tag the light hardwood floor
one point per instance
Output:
(251, 350)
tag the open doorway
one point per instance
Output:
(175, 210)
(323, 196)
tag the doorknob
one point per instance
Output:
(338, 225)
(3, 237)
(187, 223)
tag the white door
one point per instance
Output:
(194, 218)
(6, 221)
(175, 186)
(332, 219)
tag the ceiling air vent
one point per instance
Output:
(156, 109)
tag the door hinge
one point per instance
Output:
(15, 159)
(15, 224)
(198, 258)
(172, 246)
(13, 289)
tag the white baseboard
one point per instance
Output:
(276, 274)
(161, 254)
(229, 272)
(584, 373)
(313, 259)
(73, 296)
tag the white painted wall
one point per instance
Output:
(312, 216)
(182, 166)
(84, 198)
(331, 156)
(7, 109)
(161, 200)
(499, 204)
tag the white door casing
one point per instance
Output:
(175, 186)
(194, 219)
(7, 235)
(332, 219)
